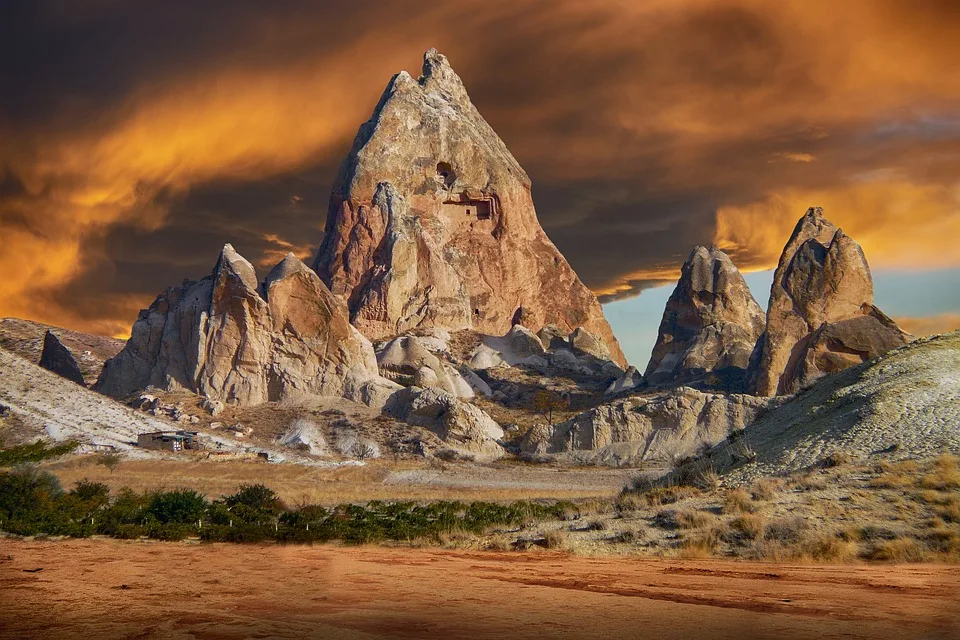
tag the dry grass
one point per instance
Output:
(748, 527)
(738, 501)
(766, 488)
(297, 484)
(945, 474)
(693, 519)
(556, 539)
(899, 550)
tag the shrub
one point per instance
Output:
(692, 519)
(786, 530)
(180, 506)
(555, 539)
(26, 491)
(747, 527)
(834, 459)
(899, 550)
(254, 503)
(34, 452)
(737, 501)
(765, 489)
(668, 495)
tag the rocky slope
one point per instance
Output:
(234, 340)
(659, 427)
(905, 404)
(710, 325)
(25, 338)
(432, 224)
(821, 316)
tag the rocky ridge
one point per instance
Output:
(234, 340)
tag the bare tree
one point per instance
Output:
(547, 402)
(362, 449)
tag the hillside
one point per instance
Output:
(905, 404)
(25, 339)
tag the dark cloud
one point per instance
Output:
(140, 136)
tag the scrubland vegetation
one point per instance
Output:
(32, 502)
(839, 510)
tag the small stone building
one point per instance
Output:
(169, 440)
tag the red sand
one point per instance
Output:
(95, 589)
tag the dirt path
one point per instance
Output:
(96, 589)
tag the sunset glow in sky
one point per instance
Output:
(138, 137)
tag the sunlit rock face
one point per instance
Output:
(710, 325)
(232, 339)
(821, 318)
(432, 224)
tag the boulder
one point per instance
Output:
(304, 435)
(631, 379)
(552, 338)
(460, 424)
(660, 427)
(511, 349)
(711, 324)
(232, 340)
(58, 359)
(585, 342)
(821, 318)
(431, 223)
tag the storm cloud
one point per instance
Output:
(138, 137)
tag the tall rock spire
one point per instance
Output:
(432, 224)
(710, 325)
(821, 317)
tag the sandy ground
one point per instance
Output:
(95, 589)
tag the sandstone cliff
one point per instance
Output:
(711, 324)
(432, 224)
(231, 339)
(821, 318)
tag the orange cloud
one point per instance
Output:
(665, 108)
(899, 224)
(931, 325)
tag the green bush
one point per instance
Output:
(180, 506)
(32, 502)
(34, 452)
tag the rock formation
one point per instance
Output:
(58, 359)
(407, 360)
(231, 339)
(674, 424)
(710, 325)
(432, 224)
(821, 318)
(459, 424)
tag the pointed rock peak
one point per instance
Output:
(232, 263)
(287, 267)
(708, 270)
(437, 72)
(710, 324)
(454, 189)
(813, 225)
